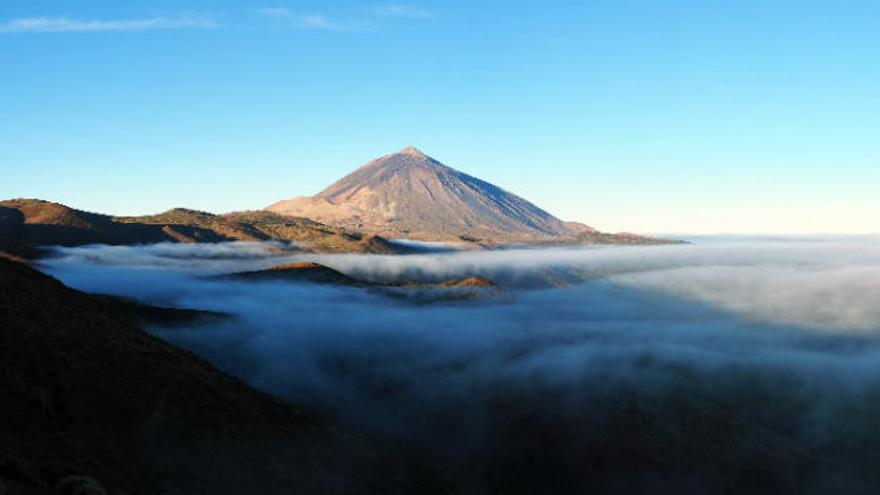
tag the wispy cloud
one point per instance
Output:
(314, 21)
(280, 12)
(408, 11)
(70, 25)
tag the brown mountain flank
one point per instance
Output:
(470, 282)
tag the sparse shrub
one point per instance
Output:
(79, 485)
(12, 468)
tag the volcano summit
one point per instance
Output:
(409, 194)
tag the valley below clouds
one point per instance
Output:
(729, 363)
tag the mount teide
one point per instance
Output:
(409, 194)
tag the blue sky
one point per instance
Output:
(648, 116)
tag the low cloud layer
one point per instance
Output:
(748, 354)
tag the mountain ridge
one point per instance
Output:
(26, 224)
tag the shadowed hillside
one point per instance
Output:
(84, 393)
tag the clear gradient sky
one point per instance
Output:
(650, 116)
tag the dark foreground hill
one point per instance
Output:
(85, 394)
(26, 224)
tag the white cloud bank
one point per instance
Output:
(728, 356)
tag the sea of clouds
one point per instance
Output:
(758, 358)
